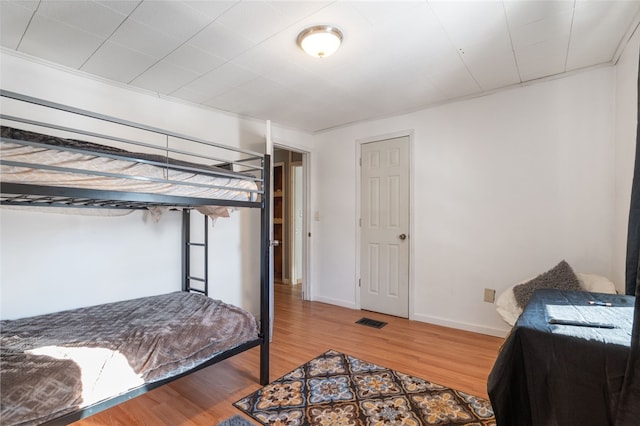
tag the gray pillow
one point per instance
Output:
(559, 277)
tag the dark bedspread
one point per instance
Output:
(564, 375)
(53, 364)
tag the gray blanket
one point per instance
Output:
(57, 363)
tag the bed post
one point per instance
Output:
(186, 236)
(265, 280)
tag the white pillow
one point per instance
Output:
(596, 283)
(509, 310)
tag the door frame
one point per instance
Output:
(292, 189)
(358, 147)
(306, 216)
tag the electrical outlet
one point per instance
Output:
(489, 295)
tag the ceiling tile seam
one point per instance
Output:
(233, 4)
(169, 53)
(457, 49)
(227, 60)
(33, 14)
(108, 38)
(229, 90)
(635, 24)
(573, 16)
(513, 49)
(160, 60)
(179, 46)
(460, 53)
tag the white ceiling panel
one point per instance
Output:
(492, 71)
(221, 79)
(13, 23)
(88, 16)
(542, 59)
(220, 41)
(290, 74)
(297, 10)
(212, 9)
(194, 59)
(255, 21)
(261, 57)
(597, 30)
(520, 13)
(379, 13)
(234, 100)
(467, 23)
(190, 95)
(556, 27)
(144, 39)
(117, 63)
(123, 6)
(262, 88)
(173, 18)
(422, 38)
(455, 83)
(164, 77)
(396, 56)
(57, 42)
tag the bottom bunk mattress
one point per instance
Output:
(58, 363)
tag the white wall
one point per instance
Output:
(625, 142)
(52, 261)
(504, 187)
(67, 261)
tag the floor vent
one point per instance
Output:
(371, 322)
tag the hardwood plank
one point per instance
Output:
(303, 330)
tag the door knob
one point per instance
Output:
(402, 236)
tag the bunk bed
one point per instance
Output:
(143, 343)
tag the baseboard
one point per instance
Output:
(341, 303)
(491, 331)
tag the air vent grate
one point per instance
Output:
(371, 322)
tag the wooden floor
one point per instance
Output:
(302, 331)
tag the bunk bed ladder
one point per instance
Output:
(187, 244)
(265, 271)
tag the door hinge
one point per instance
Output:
(359, 282)
(360, 161)
(360, 222)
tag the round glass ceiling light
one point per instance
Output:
(320, 41)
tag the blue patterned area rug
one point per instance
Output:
(338, 389)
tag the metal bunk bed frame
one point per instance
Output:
(49, 196)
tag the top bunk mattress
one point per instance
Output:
(37, 159)
(58, 363)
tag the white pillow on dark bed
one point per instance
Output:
(508, 308)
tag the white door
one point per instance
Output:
(384, 269)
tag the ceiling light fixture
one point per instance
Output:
(320, 41)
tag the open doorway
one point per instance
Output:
(289, 222)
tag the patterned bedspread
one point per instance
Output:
(57, 363)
